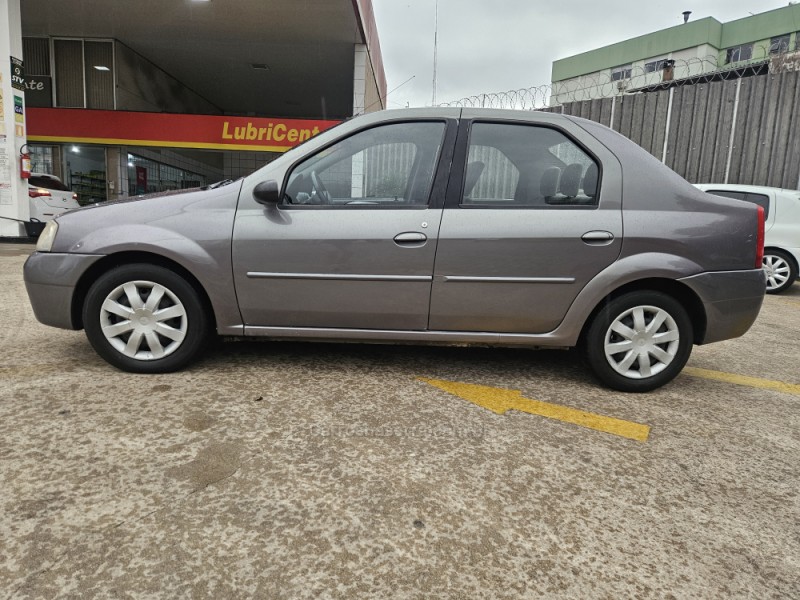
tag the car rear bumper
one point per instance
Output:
(50, 279)
(732, 301)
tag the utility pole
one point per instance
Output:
(435, 49)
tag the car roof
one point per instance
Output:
(47, 175)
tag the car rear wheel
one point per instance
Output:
(780, 269)
(145, 319)
(639, 341)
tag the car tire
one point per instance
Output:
(144, 318)
(781, 270)
(639, 341)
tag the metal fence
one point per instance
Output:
(742, 131)
(736, 124)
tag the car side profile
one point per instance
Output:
(444, 226)
(782, 228)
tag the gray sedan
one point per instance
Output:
(444, 226)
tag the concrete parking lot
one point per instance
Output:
(278, 470)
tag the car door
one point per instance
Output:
(352, 243)
(533, 216)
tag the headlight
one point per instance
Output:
(47, 237)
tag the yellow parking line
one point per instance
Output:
(756, 382)
(500, 400)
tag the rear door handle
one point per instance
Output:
(410, 239)
(598, 238)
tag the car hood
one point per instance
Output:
(126, 224)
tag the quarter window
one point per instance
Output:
(530, 166)
(391, 165)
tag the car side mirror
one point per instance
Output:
(267, 192)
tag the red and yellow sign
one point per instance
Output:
(168, 130)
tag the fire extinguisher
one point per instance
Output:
(24, 163)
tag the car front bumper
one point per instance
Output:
(732, 301)
(51, 279)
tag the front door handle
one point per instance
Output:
(598, 238)
(410, 239)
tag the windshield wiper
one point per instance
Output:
(213, 186)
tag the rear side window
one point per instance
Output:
(760, 199)
(47, 183)
(527, 166)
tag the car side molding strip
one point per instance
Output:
(461, 278)
(338, 276)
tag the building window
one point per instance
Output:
(86, 172)
(147, 176)
(739, 53)
(621, 72)
(46, 160)
(779, 45)
(656, 65)
(84, 73)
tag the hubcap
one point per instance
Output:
(143, 320)
(642, 342)
(777, 270)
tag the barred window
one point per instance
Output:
(621, 72)
(739, 53)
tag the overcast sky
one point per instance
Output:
(496, 45)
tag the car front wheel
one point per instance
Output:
(145, 319)
(639, 341)
(780, 269)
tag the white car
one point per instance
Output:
(782, 228)
(49, 197)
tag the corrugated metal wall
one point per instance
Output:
(740, 131)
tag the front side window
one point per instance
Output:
(527, 166)
(389, 165)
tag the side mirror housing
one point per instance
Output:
(267, 192)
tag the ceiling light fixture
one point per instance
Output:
(260, 66)
(101, 68)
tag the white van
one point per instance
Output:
(782, 228)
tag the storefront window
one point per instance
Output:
(148, 176)
(42, 159)
(86, 173)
